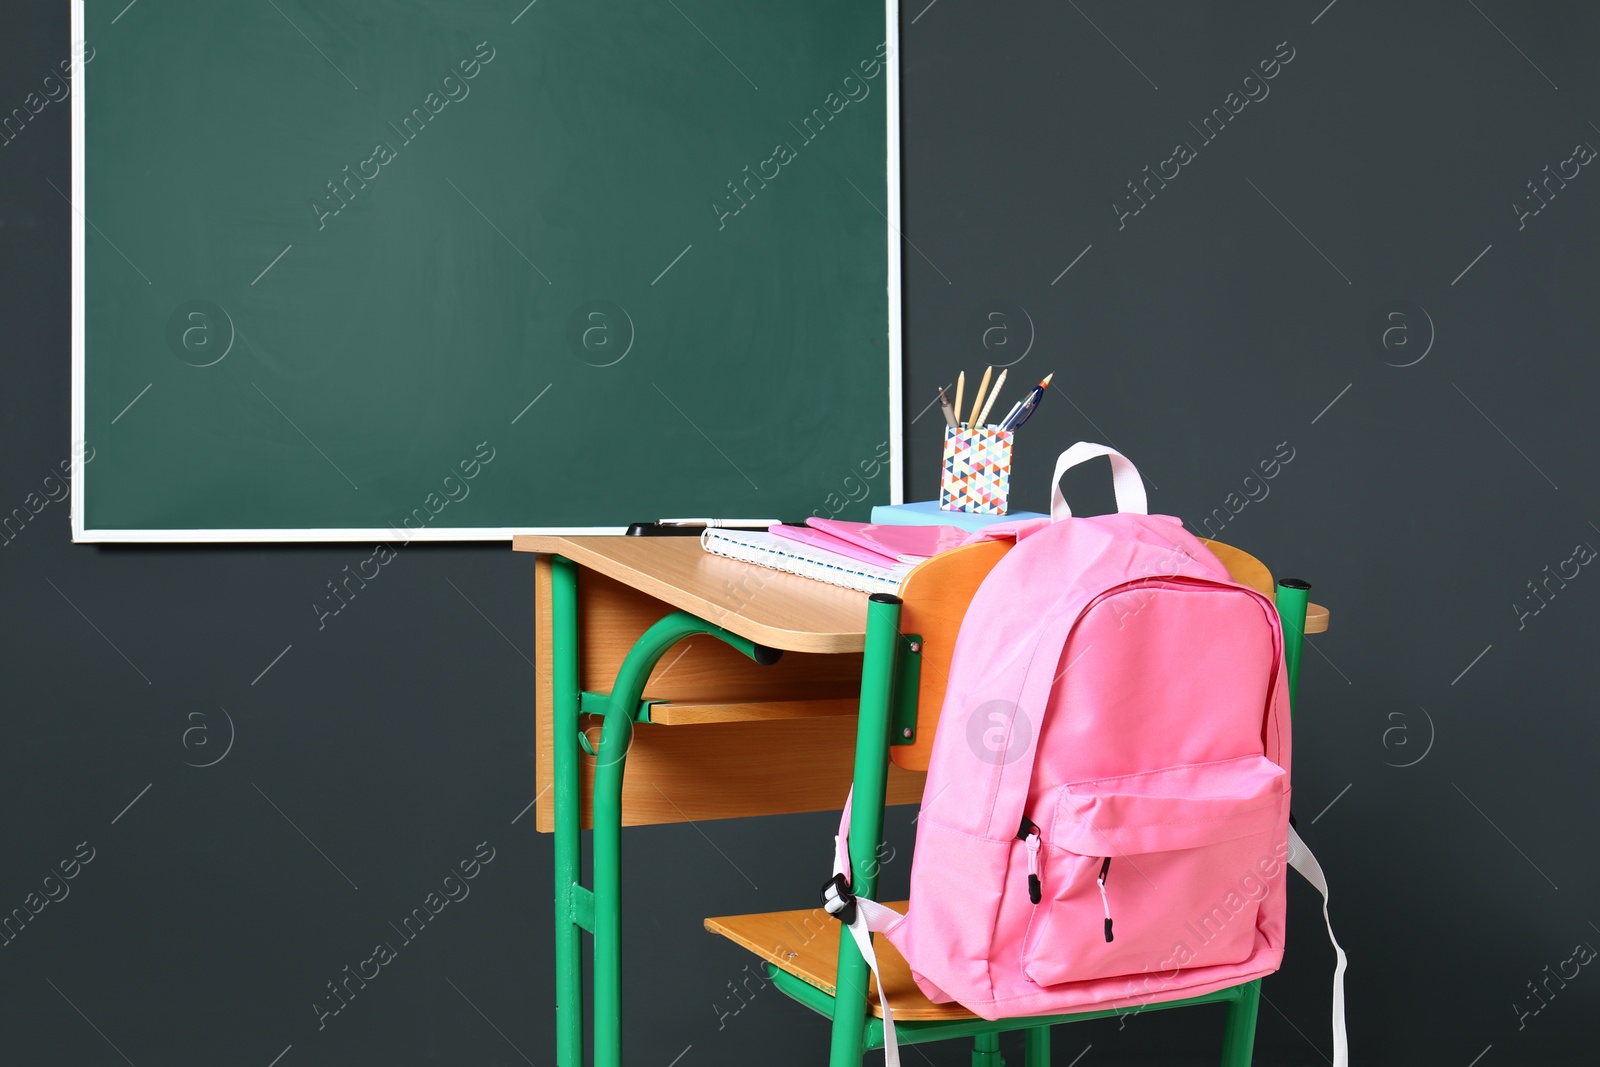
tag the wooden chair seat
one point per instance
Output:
(805, 943)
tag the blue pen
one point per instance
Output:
(1021, 415)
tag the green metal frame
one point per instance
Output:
(907, 683)
(1293, 596)
(599, 910)
(889, 676)
(571, 919)
(866, 816)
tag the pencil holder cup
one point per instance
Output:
(976, 476)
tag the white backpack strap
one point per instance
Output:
(1301, 859)
(1124, 479)
(862, 917)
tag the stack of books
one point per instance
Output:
(929, 513)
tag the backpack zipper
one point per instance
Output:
(1105, 902)
(1029, 833)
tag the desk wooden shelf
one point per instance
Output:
(732, 738)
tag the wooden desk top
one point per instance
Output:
(769, 607)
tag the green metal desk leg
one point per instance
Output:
(1239, 1037)
(1037, 1047)
(563, 639)
(610, 759)
(615, 737)
(866, 818)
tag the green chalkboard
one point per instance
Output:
(454, 267)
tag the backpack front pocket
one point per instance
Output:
(1152, 871)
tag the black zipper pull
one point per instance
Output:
(1027, 831)
(1105, 869)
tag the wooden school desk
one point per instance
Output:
(638, 635)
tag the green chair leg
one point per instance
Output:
(1292, 598)
(866, 819)
(1037, 1046)
(986, 1051)
(1239, 1037)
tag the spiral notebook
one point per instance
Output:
(780, 554)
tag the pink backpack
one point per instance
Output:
(1106, 817)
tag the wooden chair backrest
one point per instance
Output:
(936, 595)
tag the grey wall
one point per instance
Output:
(1446, 742)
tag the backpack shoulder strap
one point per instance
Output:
(863, 918)
(1301, 859)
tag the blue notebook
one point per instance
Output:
(928, 513)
